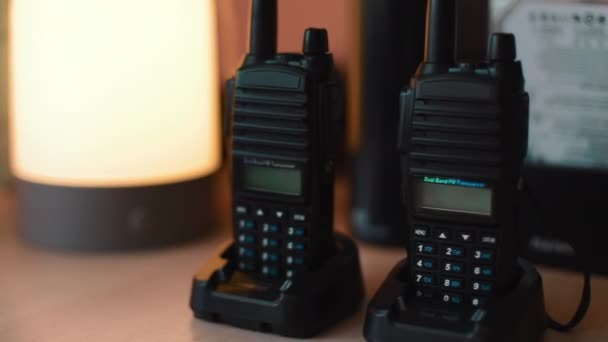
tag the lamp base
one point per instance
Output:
(74, 218)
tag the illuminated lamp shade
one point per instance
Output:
(114, 120)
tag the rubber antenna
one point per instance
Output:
(440, 32)
(263, 39)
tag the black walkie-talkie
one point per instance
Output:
(463, 139)
(284, 111)
(287, 271)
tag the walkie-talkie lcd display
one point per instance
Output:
(283, 110)
(462, 138)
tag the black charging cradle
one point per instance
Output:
(519, 316)
(301, 308)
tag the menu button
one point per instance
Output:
(299, 217)
(489, 239)
(421, 231)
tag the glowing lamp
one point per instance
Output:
(114, 120)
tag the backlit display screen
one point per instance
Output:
(273, 180)
(453, 195)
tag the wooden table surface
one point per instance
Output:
(55, 296)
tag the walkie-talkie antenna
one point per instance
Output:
(440, 33)
(263, 39)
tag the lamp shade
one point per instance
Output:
(114, 125)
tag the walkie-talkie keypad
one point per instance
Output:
(453, 265)
(271, 242)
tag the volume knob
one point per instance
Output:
(502, 48)
(316, 42)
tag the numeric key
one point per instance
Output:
(425, 248)
(454, 252)
(482, 287)
(270, 271)
(478, 301)
(295, 260)
(424, 263)
(296, 231)
(452, 298)
(245, 224)
(290, 274)
(453, 283)
(483, 271)
(247, 238)
(270, 257)
(484, 255)
(271, 242)
(296, 246)
(270, 228)
(453, 267)
(424, 279)
(245, 252)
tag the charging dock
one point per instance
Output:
(519, 316)
(301, 308)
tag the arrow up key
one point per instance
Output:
(442, 234)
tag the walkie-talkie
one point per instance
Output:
(463, 139)
(286, 271)
(284, 111)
